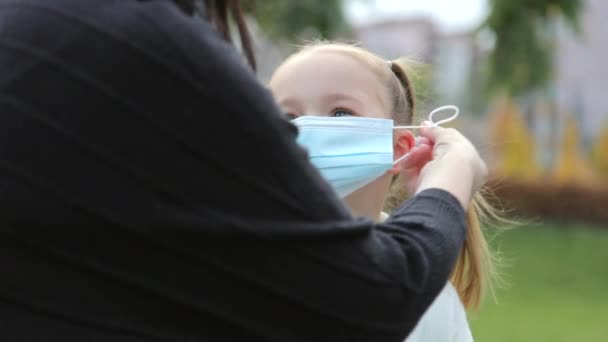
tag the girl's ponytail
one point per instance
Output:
(474, 269)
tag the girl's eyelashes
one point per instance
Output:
(291, 116)
(339, 112)
(336, 113)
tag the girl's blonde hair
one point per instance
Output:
(474, 270)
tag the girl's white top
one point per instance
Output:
(445, 320)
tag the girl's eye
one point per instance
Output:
(290, 116)
(341, 112)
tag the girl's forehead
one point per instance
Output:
(335, 63)
(327, 71)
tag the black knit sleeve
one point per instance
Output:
(421, 241)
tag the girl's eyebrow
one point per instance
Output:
(287, 101)
(342, 97)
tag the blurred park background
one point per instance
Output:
(530, 78)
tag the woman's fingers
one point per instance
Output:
(418, 157)
(423, 140)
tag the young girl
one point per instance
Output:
(336, 80)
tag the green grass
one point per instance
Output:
(558, 287)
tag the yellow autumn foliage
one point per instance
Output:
(572, 166)
(513, 147)
(599, 154)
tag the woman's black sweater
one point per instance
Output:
(150, 191)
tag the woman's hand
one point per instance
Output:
(416, 159)
(443, 158)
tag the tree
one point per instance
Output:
(521, 60)
(290, 19)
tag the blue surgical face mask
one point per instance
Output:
(351, 152)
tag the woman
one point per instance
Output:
(150, 190)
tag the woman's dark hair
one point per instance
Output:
(217, 12)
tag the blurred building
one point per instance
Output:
(452, 55)
(581, 78)
(414, 38)
(269, 54)
(457, 61)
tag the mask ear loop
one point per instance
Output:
(433, 123)
(446, 120)
(432, 114)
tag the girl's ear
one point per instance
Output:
(403, 142)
